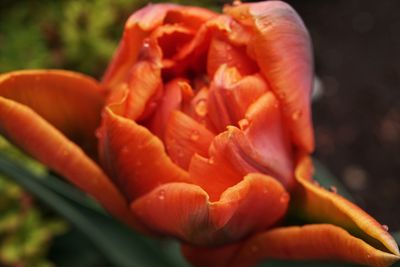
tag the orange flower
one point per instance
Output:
(205, 133)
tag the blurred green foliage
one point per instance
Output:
(67, 34)
(25, 230)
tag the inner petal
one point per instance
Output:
(185, 137)
(231, 95)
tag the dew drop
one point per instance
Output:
(284, 198)
(236, 3)
(146, 45)
(211, 160)
(296, 115)
(243, 124)
(99, 133)
(201, 107)
(161, 195)
(195, 135)
(385, 227)
(333, 189)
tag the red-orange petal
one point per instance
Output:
(185, 137)
(137, 28)
(37, 137)
(281, 46)
(134, 157)
(269, 138)
(310, 242)
(317, 205)
(69, 101)
(171, 100)
(140, 25)
(222, 52)
(184, 210)
(137, 97)
(209, 256)
(231, 94)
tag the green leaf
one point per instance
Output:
(119, 245)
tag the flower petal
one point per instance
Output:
(184, 210)
(317, 205)
(69, 101)
(134, 157)
(34, 135)
(282, 48)
(221, 52)
(184, 137)
(206, 256)
(231, 95)
(310, 242)
(137, 97)
(137, 29)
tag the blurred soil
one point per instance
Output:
(357, 117)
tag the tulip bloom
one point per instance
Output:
(204, 135)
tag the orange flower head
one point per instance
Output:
(204, 135)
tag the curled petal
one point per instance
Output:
(134, 157)
(184, 210)
(137, 98)
(317, 205)
(138, 28)
(37, 137)
(69, 101)
(281, 46)
(222, 52)
(172, 100)
(310, 242)
(185, 137)
(231, 95)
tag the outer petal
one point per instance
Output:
(71, 102)
(134, 157)
(315, 204)
(311, 242)
(31, 132)
(184, 210)
(281, 46)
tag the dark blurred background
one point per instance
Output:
(357, 55)
(357, 116)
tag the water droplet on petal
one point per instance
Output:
(99, 133)
(236, 3)
(333, 189)
(284, 198)
(243, 124)
(296, 115)
(146, 45)
(201, 107)
(385, 227)
(211, 160)
(161, 195)
(195, 135)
